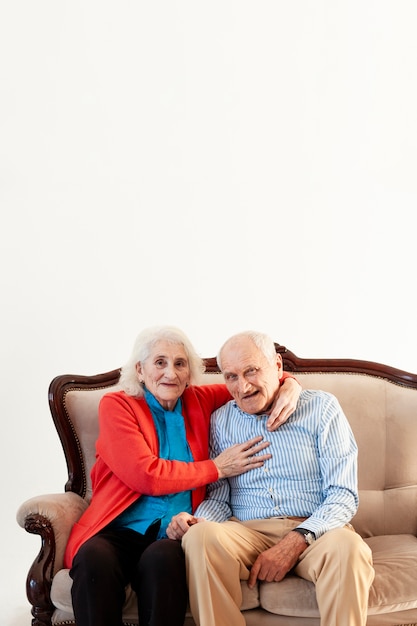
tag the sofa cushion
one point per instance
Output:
(61, 597)
(393, 589)
(395, 562)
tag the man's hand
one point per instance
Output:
(273, 564)
(180, 523)
(285, 403)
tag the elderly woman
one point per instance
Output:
(151, 462)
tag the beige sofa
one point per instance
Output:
(381, 405)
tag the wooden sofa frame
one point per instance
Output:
(39, 578)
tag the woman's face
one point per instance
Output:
(165, 372)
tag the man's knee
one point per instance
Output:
(201, 535)
(347, 545)
(346, 537)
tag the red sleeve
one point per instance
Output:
(128, 445)
(213, 396)
(286, 375)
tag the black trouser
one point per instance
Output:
(107, 562)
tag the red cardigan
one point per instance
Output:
(127, 463)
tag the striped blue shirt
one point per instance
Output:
(312, 472)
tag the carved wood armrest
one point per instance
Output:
(52, 517)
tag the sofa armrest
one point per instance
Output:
(52, 517)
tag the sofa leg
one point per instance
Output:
(39, 578)
(41, 617)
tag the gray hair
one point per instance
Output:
(142, 348)
(261, 341)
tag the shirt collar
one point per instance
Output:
(248, 415)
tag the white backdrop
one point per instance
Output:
(217, 166)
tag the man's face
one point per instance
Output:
(250, 378)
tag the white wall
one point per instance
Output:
(215, 165)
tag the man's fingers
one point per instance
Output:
(253, 576)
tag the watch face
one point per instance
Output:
(309, 537)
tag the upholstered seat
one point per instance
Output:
(381, 405)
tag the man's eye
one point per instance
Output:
(252, 371)
(230, 377)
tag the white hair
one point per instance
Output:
(262, 341)
(143, 345)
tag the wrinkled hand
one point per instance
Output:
(285, 403)
(273, 564)
(241, 458)
(180, 523)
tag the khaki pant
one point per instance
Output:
(218, 556)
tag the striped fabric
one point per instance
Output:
(312, 472)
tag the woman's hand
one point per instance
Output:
(241, 458)
(180, 523)
(285, 403)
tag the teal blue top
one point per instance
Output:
(173, 445)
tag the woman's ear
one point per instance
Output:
(139, 371)
(280, 365)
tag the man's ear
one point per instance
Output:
(280, 365)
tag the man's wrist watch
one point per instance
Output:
(309, 536)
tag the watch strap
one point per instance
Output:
(305, 532)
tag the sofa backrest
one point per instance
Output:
(383, 417)
(379, 402)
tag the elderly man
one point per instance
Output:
(291, 514)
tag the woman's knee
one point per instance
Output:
(161, 569)
(163, 555)
(95, 555)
